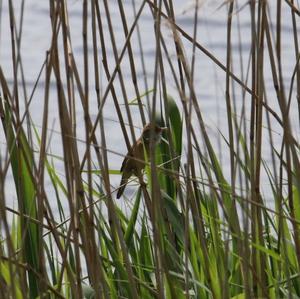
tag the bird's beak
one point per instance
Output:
(164, 129)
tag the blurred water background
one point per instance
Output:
(209, 78)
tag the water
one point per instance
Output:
(209, 78)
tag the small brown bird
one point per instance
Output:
(135, 166)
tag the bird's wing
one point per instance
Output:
(129, 161)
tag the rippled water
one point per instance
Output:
(209, 78)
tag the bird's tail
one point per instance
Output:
(123, 184)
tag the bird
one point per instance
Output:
(134, 161)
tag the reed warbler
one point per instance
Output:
(134, 162)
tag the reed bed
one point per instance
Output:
(192, 228)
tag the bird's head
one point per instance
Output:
(157, 131)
